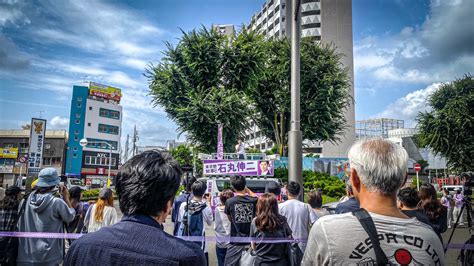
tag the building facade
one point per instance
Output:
(327, 21)
(96, 115)
(14, 146)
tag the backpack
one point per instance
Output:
(466, 256)
(193, 222)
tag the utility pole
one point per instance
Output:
(135, 139)
(125, 154)
(295, 136)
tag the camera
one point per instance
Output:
(468, 178)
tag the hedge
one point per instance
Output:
(331, 186)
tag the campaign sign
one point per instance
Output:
(37, 136)
(240, 167)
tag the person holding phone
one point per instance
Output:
(43, 212)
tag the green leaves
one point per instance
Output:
(448, 128)
(202, 82)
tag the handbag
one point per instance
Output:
(247, 258)
(368, 224)
(295, 255)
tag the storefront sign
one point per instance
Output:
(6, 169)
(37, 136)
(9, 153)
(240, 167)
(104, 91)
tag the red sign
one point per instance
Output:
(100, 171)
(417, 167)
(23, 159)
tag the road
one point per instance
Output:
(460, 236)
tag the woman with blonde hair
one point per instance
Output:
(102, 213)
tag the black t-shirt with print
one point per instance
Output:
(242, 211)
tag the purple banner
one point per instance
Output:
(220, 143)
(240, 167)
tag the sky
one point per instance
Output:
(403, 51)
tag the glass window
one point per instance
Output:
(78, 115)
(74, 155)
(79, 105)
(79, 99)
(90, 108)
(75, 148)
(88, 124)
(76, 138)
(78, 121)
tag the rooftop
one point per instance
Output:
(19, 133)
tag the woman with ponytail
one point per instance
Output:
(103, 213)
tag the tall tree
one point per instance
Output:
(202, 82)
(324, 92)
(448, 129)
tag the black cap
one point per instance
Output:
(12, 191)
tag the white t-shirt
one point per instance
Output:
(206, 215)
(110, 218)
(297, 215)
(341, 240)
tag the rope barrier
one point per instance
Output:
(198, 238)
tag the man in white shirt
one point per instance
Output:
(378, 170)
(198, 209)
(297, 213)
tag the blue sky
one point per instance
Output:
(403, 49)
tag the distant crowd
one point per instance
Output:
(379, 222)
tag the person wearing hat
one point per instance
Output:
(8, 221)
(45, 213)
(103, 213)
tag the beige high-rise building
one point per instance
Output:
(328, 21)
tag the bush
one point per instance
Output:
(331, 186)
(93, 194)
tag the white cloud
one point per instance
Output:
(438, 50)
(135, 63)
(408, 107)
(58, 122)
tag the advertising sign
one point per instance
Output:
(6, 169)
(220, 143)
(37, 136)
(9, 153)
(241, 167)
(104, 91)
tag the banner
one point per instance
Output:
(9, 153)
(104, 91)
(37, 136)
(241, 167)
(6, 169)
(220, 143)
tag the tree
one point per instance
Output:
(324, 92)
(449, 127)
(183, 155)
(201, 82)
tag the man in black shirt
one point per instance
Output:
(351, 204)
(240, 210)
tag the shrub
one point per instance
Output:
(331, 186)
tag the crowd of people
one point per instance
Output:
(384, 221)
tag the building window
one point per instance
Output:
(78, 115)
(311, 26)
(74, 155)
(108, 129)
(99, 161)
(109, 113)
(76, 131)
(78, 121)
(88, 124)
(99, 144)
(75, 148)
(90, 108)
(79, 105)
(76, 138)
(8, 145)
(47, 146)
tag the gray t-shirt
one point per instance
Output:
(341, 240)
(297, 215)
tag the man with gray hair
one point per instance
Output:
(379, 233)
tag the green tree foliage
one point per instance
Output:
(324, 92)
(331, 186)
(202, 82)
(449, 127)
(183, 155)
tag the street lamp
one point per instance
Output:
(83, 142)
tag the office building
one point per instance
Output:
(14, 146)
(224, 29)
(96, 115)
(327, 21)
(381, 128)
